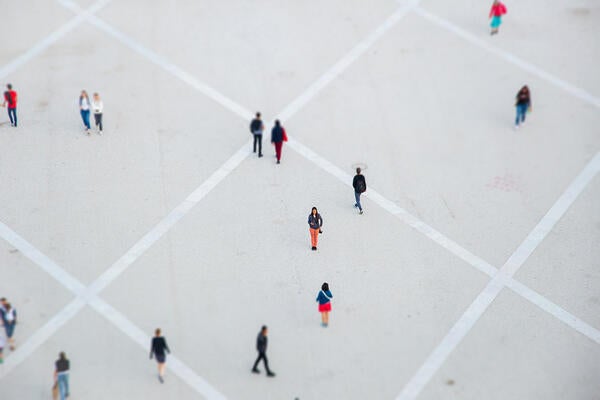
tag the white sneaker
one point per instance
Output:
(516, 127)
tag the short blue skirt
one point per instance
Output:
(496, 21)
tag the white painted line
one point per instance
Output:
(174, 364)
(524, 65)
(40, 259)
(39, 337)
(339, 67)
(553, 309)
(464, 324)
(170, 220)
(87, 295)
(399, 212)
(174, 70)
(50, 39)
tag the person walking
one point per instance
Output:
(324, 300)
(523, 105)
(261, 347)
(496, 12)
(157, 349)
(278, 136)
(315, 222)
(9, 319)
(360, 186)
(98, 107)
(256, 128)
(84, 110)
(61, 375)
(10, 102)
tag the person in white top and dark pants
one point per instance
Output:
(97, 107)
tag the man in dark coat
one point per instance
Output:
(261, 346)
(360, 186)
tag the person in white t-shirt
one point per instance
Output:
(97, 108)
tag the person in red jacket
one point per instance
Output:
(10, 102)
(496, 13)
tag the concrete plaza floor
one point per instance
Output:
(473, 274)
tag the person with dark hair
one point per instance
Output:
(523, 105)
(496, 12)
(157, 349)
(61, 375)
(278, 136)
(360, 186)
(84, 110)
(315, 222)
(9, 319)
(324, 300)
(256, 128)
(261, 347)
(98, 108)
(10, 102)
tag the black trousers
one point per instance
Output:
(262, 356)
(98, 120)
(257, 139)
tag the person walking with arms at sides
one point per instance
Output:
(61, 375)
(2, 344)
(84, 110)
(497, 11)
(10, 102)
(98, 107)
(324, 300)
(523, 105)
(360, 186)
(278, 136)
(261, 347)
(9, 319)
(315, 222)
(256, 128)
(157, 349)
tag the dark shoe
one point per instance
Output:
(278, 162)
(313, 248)
(361, 211)
(270, 374)
(160, 378)
(256, 371)
(260, 155)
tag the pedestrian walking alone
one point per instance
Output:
(98, 107)
(523, 105)
(84, 110)
(157, 349)
(10, 102)
(315, 222)
(261, 347)
(496, 12)
(256, 128)
(360, 186)
(61, 375)
(9, 319)
(324, 299)
(278, 136)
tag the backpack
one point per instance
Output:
(361, 185)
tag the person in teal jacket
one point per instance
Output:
(324, 299)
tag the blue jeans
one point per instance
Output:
(357, 198)
(63, 385)
(12, 115)
(85, 116)
(521, 112)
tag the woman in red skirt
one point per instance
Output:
(324, 299)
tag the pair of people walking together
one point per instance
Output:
(96, 106)
(278, 136)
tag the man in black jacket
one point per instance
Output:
(256, 128)
(261, 346)
(360, 186)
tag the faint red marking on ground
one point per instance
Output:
(506, 183)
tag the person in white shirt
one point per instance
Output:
(97, 107)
